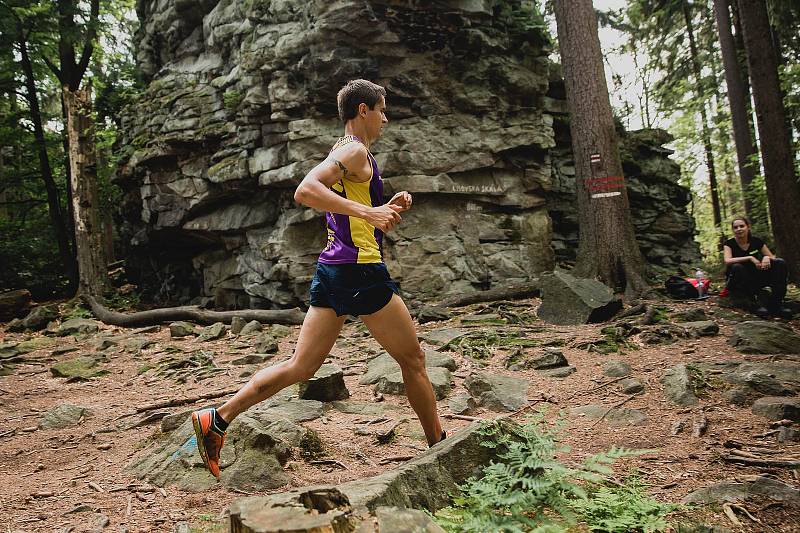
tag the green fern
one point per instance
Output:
(529, 491)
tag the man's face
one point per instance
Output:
(376, 119)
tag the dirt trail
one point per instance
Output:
(74, 479)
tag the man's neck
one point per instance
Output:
(358, 131)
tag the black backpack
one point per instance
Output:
(680, 288)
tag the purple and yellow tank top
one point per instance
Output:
(352, 239)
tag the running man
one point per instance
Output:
(351, 278)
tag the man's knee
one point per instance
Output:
(413, 360)
(737, 268)
(299, 371)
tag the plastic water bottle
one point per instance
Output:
(700, 276)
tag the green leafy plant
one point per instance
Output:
(623, 507)
(529, 490)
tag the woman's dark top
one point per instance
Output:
(753, 249)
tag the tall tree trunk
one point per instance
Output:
(607, 247)
(53, 201)
(712, 172)
(738, 97)
(776, 149)
(85, 198)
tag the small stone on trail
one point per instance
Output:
(254, 326)
(778, 408)
(678, 386)
(616, 369)
(497, 392)
(613, 415)
(631, 386)
(63, 416)
(760, 336)
(326, 385)
(253, 359)
(440, 380)
(463, 404)
(265, 343)
(181, 329)
(78, 326)
(558, 373)
(237, 323)
(213, 332)
(433, 314)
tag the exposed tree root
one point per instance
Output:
(506, 292)
(192, 314)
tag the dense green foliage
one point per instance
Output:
(657, 36)
(530, 490)
(29, 256)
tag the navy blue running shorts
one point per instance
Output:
(352, 289)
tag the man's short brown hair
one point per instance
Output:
(357, 92)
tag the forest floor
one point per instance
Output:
(75, 479)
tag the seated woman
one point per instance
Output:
(751, 267)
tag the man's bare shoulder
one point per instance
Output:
(353, 161)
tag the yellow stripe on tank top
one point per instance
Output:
(361, 231)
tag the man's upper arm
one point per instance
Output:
(347, 162)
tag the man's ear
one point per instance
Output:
(362, 109)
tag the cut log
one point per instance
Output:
(191, 313)
(507, 292)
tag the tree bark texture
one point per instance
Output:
(53, 200)
(607, 247)
(89, 233)
(738, 97)
(783, 190)
(190, 313)
(712, 172)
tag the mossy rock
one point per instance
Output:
(80, 368)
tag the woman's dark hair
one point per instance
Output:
(357, 92)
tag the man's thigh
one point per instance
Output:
(318, 334)
(393, 328)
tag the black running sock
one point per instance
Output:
(443, 436)
(219, 422)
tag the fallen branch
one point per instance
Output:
(616, 405)
(462, 417)
(174, 402)
(584, 393)
(778, 463)
(508, 292)
(329, 462)
(395, 459)
(191, 313)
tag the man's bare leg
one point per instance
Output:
(318, 334)
(393, 328)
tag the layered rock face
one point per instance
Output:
(240, 105)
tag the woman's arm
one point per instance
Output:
(730, 260)
(765, 251)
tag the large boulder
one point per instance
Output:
(37, 319)
(258, 443)
(440, 379)
(426, 482)
(570, 300)
(760, 336)
(778, 408)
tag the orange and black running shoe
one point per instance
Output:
(209, 438)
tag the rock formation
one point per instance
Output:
(240, 103)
